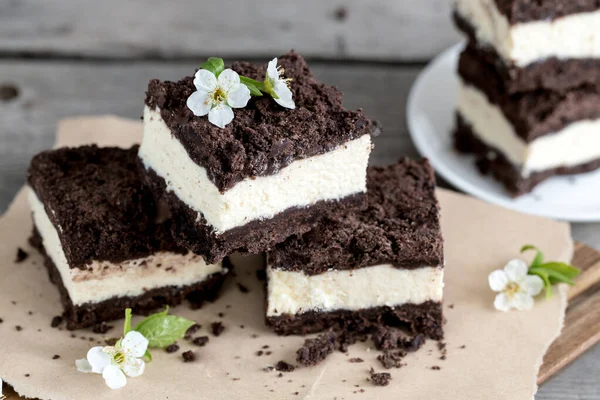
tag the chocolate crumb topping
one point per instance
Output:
(283, 366)
(172, 348)
(201, 341)
(188, 356)
(217, 328)
(316, 350)
(380, 378)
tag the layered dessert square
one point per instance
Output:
(359, 269)
(550, 44)
(524, 138)
(107, 246)
(268, 174)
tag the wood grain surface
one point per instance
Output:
(389, 30)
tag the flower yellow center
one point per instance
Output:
(218, 96)
(119, 357)
(511, 289)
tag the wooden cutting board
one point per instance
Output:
(581, 321)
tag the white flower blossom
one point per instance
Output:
(515, 287)
(276, 84)
(217, 96)
(116, 363)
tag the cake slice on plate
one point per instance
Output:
(357, 269)
(267, 175)
(535, 44)
(106, 245)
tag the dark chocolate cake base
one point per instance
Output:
(255, 237)
(491, 161)
(426, 318)
(553, 73)
(89, 314)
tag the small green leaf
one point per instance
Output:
(539, 256)
(147, 357)
(162, 330)
(555, 276)
(544, 275)
(127, 324)
(255, 87)
(214, 65)
(563, 268)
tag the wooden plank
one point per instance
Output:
(387, 30)
(582, 320)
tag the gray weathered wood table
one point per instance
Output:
(67, 59)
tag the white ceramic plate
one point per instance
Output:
(430, 118)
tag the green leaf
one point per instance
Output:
(554, 276)
(147, 357)
(162, 330)
(255, 87)
(539, 256)
(214, 65)
(127, 324)
(563, 268)
(544, 275)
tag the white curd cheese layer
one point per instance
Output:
(292, 292)
(577, 143)
(571, 36)
(102, 280)
(330, 176)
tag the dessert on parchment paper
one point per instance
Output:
(382, 265)
(105, 244)
(269, 174)
(529, 89)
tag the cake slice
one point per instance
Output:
(267, 175)
(106, 245)
(549, 44)
(525, 138)
(355, 270)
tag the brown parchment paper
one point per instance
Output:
(502, 353)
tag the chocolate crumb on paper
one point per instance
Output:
(201, 341)
(243, 288)
(56, 321)
(283, 366)
(172, 348)
(217, 328)
(191, 330)
(21, 255)
(391, 359)
(55, 357)
(316, 350)
(18, 328)
(436, 368)
(356, 360)
(188, 356)
(380, 378)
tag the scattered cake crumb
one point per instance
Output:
(55, 357)
(242, 288)
(217, 328)
(266, 346)
(284, 366)
(14, 303)
(19, 328)
(188, 356)
(391, 359)
(172, 348)
(191, 330)
(201, 341)
(436, 368)
(1, 320)
(356, 360)
(280, 375)
(380, 378)
(463, 346)
(21, 255)
(313, 351)
(268, 353)
(27, 375)
(221, 315)
(101, 328)
(29, 312)
(268, 368)
(259, 353)
(56, 321)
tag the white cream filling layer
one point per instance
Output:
(571, 36)
(330, 176)
(103, 280)
(577, 143)
(291, 292)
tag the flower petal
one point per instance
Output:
(497, 280)
(135, 343)
(98, 358)
(522, 301)
(199, 103)
(220, 115)
(239, 97)
(114, 377)
(134, 367)
(285, 95)
(533, 285)
(272, 72)
(205, 81)
(516, 270)
(229, 81)
(83, 365)
(502, 302)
